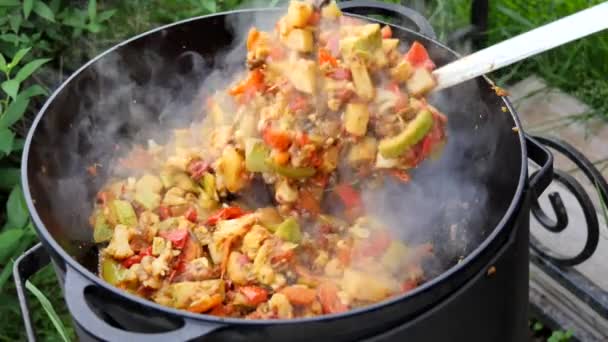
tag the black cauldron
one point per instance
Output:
(481, 297)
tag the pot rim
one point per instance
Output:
(70, 262)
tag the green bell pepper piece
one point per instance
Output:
(292, 172)
(102, 231)
(112, 271)
(124, 212)
(289, 230)
(395, 146)
(256, 155)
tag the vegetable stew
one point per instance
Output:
(326, 101)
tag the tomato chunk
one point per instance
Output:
(255, 295)
(177, 237)
(419, 57)
(277, 139)
(225, 214)
(387, 32)
(328, 296)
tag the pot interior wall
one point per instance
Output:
(158, 81)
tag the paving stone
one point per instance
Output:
(550, 112)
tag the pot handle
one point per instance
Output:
(540, 180)
(403, 14)
(28, 264)
(580, 194)
(87, 319)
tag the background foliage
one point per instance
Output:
(43, 41)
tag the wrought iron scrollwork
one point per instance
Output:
(560, 211)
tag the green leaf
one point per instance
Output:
(14, 112)
(16, 209)
(209, 5)
(9, 177)
(7, 137)
(27, 7)
(18, 57)
(105, 15)
(11, 88)
(10, 38)
(2, 64)
(50, 311)
(15, 21)
(94, 27)
(9, 3)
(8, 243)
(92, 10)
(30, 68)
(18, 145)
(44, 11)
(5, 274)
(34, 90)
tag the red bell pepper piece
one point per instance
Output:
(253, 83)
(255, 295)
(164, 212)
(419, 57)
(136, 259)
(387, 32)
(178, 237)
(191, 214)
(326, 57)
(277, 139)
(225, 214)
(314, 19)
(349, 196)
(408, 285)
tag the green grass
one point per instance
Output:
(11, 327)
(578, 68)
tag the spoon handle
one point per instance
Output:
(520, 47)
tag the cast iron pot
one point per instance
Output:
(117, 96)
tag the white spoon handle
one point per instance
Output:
(527, 44)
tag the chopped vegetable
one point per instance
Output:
(228, 213)
(102, 231)
(363, 83)
(414, 132)
(356, 118)
(328, 296)
(368, 287)
(349, 196)
(419, 57)
(177, 237)
(420, 82)
(255, 295)
(299, 294)
(112, 271)
(299, 40)
(232, 167)
(124, 212)
(298, 13)
(289, 230)
(277, 139)
(231, 216)
(331, 11)
(363, 152)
